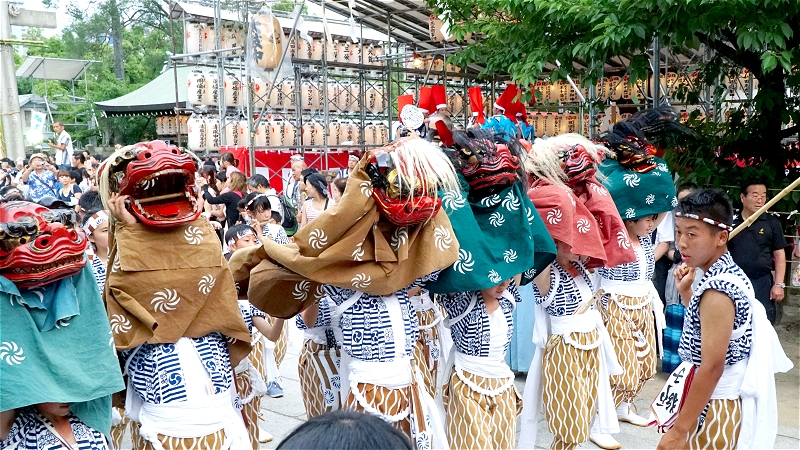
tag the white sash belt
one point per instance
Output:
(729, 385)
(317, 335)
(482, 366)
(194, 418)
(635, 288)
(257, 385)
(394, 374)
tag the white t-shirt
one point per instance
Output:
(665, 232)
(64, 138)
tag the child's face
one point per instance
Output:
(54, 409)
(264, 216)
(496, 291)
(641, 227)
(99, 237)
(244, 242)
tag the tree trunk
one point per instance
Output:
(116, 37)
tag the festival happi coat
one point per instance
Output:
(157, 296)
(55, 333)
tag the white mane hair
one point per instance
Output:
(543, 161)
(417, 157)
(103, 186)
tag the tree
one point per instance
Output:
(524, 38)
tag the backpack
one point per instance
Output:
(289, 223)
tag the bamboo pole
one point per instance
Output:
(764, 208)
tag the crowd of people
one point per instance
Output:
(404, 273)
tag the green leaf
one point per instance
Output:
(787, 30)
(639, 30)
(747, 40)
(768, 62)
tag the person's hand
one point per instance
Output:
(117, 208)
(776, 293)
(215, 225)
(684, 277)
(673, 439)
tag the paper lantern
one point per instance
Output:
(287, 95)
(208, 38)
(289, 134)
(213, 134)
(211, 94)
(331, 50)
(383, 134)
(309, 95)
(233, 90)
(261, 137)
(346, 132)
(355, 97)
(334, 127)
(160, 125)
(355, 53)
(370, 134)
(266, 40)
(343, 51)
(616, 88)
(258, 92)
(550, 124)
(555, 92)
(304, 49)
(194, 37)
(572, 123)
(197, 133)
(333, 96)
(276, 133)
(627, 88)
(375, 99)
(183, 121)
(317, 46)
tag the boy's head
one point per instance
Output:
(241, 236)
(702, 222)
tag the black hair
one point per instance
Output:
(751, 182)
(341, 184)
(276, 216)
(80, 157)
(229, 158)
(707, 202)
(238, 231)
(258, 202)
(651, 216)
(346, 430)
(222, 176)
(76, 175)
(258, 180)
(10, 192)
(208, 171)
(98, 157)
(241, 204)
(688, 186)
(90, 201)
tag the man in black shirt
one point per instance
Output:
(759, 248)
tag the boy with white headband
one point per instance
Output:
(727, 343)
(95, 225)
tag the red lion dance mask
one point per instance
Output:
(486, 161)
(160, 182)
(39, 245)
(406, 176)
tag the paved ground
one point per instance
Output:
(286, 413)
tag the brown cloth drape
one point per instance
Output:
(170, 283)
(349, 245)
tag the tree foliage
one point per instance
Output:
(145, 41)
(528, 38)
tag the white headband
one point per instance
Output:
(706, 220)
(94, 222)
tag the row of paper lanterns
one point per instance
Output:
(203, 89)
(200, 37)
(205, 133)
